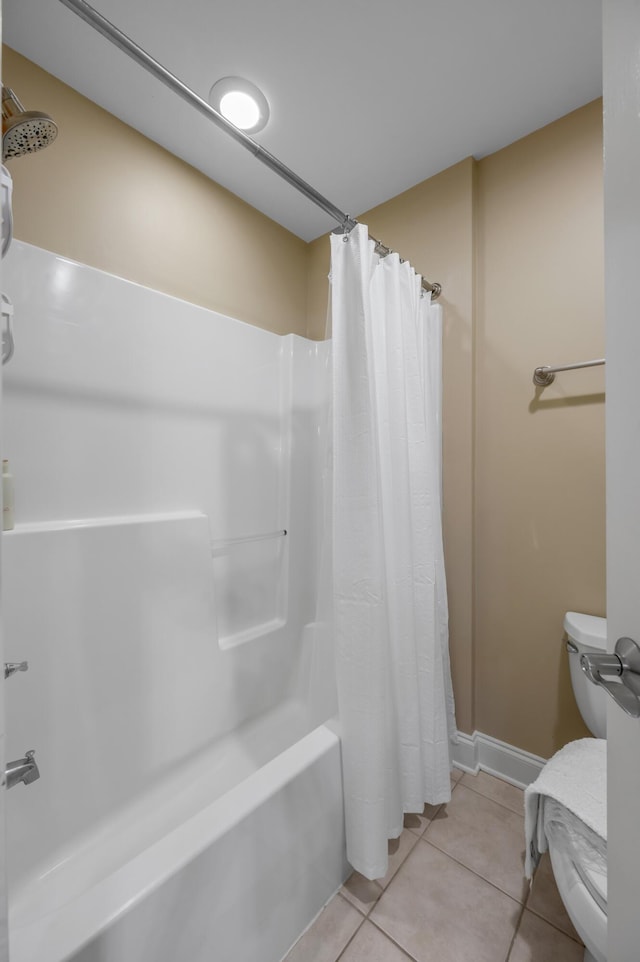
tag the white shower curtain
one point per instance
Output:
(390, 605)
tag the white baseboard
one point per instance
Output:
(478, 752)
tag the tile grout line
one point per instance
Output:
(539, 915)
(391, 939)
(345, 947)
(383, 889)
(365, 915)
(473, 872)
(429, 820)
(515, 932)
(552, 924)
(496, 802)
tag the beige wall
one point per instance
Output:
(517, 242)
(539, 480)
(107, 196)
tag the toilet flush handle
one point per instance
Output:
(623, 663)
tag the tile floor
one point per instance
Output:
(455, 892)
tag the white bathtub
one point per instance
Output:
(198, 870)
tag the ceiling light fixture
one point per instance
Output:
(241, 102)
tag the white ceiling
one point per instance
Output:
(367, 97)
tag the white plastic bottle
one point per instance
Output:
(7, 498)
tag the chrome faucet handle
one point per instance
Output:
(622, 663)
(32, 774)
(11, 667)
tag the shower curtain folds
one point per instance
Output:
(390, 603)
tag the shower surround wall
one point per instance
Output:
(170, 696)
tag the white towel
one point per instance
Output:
(576, 777)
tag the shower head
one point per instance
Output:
(23, 131)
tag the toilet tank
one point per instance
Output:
(587, 633)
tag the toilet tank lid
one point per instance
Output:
(586, 629)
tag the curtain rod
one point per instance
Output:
(434, 288)
(108, 30)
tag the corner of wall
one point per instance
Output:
(476, 275)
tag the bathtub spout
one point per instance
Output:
(22, 770)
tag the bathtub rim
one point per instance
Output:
(59, 934)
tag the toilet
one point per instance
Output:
(582, 882)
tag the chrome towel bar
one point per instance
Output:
(545, 375)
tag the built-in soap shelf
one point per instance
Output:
(250, 574)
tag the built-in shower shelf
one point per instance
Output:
(250, 574)
(32, 527)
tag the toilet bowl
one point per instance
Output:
(582, 888)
